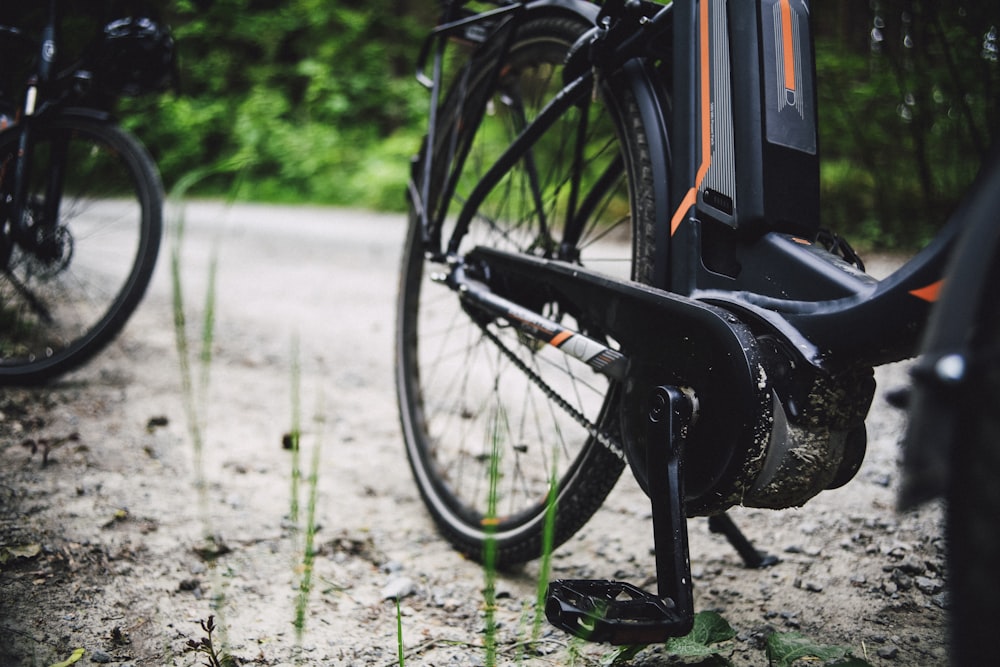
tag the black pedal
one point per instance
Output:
(612, 611)
(619, 613)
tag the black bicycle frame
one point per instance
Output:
(35, 234)
(753, 248)
(761, 261)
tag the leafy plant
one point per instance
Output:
(784, 648)
(71, 660)
(708, 632)
(205, 647)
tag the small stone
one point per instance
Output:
(888, 652)
(100, 656)
(929, 586)
(911, 566)
(398, 588)
(392, 567)
(813, 586)
(188, 585)
(902, 580)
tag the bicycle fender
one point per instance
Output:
(586, 10)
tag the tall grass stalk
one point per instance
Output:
(295, 435)
(312, 489)
(399, 634)
(309, 547)
(490, 544)
(548, 540)
(194, 395)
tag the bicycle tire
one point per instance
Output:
(464, 404)
(973, 503)
(58, 311)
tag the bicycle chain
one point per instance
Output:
(605, 439)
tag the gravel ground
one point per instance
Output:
(118, 537)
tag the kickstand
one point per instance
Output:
(752, 558)
(617, 612)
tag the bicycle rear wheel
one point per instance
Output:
(63, 299)
(491, 418)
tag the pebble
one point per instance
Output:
(392, 567)
(398, 588)
(902, 580)
(928, 585)
(100, 656)
(810, 585)
(911, 566)
(888, 652)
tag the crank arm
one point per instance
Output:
(597, 355)
(617, 612)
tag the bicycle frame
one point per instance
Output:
(36, 101)
(767, 267)
(739, 275)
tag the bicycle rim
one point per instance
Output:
(61, 303)
(485, 436)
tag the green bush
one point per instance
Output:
(317, 100)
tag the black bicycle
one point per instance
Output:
(614, 258)
(80, 198)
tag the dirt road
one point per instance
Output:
(127, 537)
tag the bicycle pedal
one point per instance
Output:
(612, 611)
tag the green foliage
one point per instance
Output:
(908, 106)
(709, 630)
(785, 648)
(317, 98)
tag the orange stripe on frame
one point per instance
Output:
(706, 101)
(788, 44)
(689, 200)
(706, 118)
(560, 338)
(929, 293)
